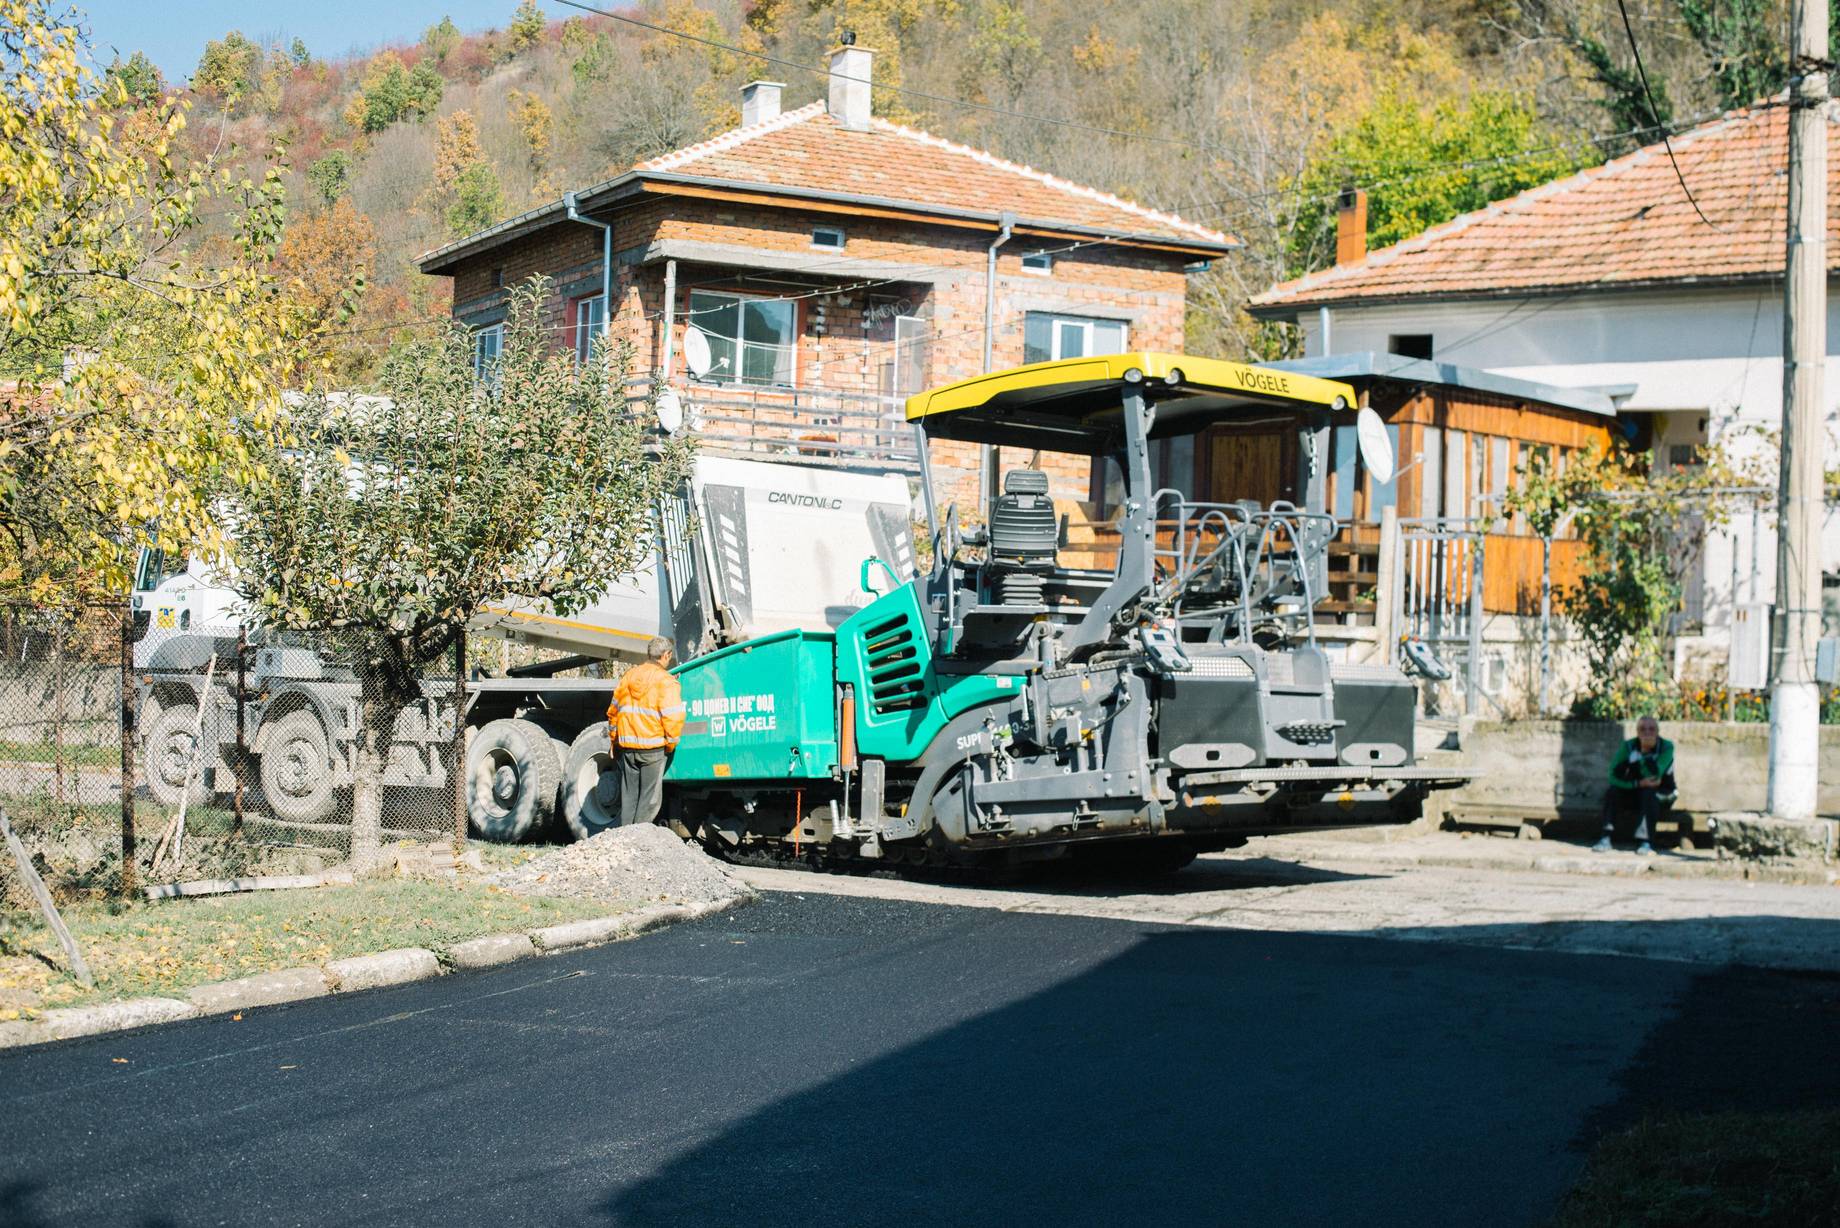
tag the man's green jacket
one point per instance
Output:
(1631, 765)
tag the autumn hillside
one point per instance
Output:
(1247, 117)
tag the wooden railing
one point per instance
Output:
(815, 425)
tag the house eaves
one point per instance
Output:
(1366, 364)
(1293, 311)
(617, 191)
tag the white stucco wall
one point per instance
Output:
(1713, 354)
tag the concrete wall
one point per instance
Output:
(1546, 766)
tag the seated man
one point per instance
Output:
(1641, 786)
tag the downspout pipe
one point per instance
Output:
(987, 456)
(576, 215)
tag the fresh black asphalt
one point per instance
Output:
(827, 1060)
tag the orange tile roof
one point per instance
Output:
(808, 150)
(1625, 223)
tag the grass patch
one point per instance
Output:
(1697, 1170)
(74, 755)
(165, 947)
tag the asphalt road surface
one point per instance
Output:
(829, 1059)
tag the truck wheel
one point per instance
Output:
(171, 748)
(295, 770)
(512, 774)
(590, 784)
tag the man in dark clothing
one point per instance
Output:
(1641, 786)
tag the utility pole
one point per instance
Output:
(1795, 701)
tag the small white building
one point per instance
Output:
(1612, 280)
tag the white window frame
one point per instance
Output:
(732, 379)
(586, 327)
(1043, 264)
(492, 338)
(1085, 324)
(829, 230)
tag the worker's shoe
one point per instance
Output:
(1602, 846)
(1645, 849)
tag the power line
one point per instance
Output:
(1655, 114)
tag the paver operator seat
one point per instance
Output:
(1023, 536)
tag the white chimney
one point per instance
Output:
(760, 102)
(849, 102)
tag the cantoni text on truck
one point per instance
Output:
(1154, 693)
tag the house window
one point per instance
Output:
(827, 236)
(1038, 262)
(751, 340)
(487, 342)
(1410, 345)
(590, 317)
(498, 278)
(910, 352)
(1047, 337)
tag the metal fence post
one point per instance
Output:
(242, 749)
(1473, 692)
(459, 773)
(130, 867)
(57, 710)
(1545, 617)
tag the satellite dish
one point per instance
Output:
(670, 411)
(1376, 447)
(696, 351)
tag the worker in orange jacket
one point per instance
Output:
(645, 720)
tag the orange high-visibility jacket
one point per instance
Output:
(647, 711)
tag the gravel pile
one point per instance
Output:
(644, 864)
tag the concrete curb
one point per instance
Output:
(1581, 862)
(383, 968)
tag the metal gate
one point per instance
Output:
(1439, 581)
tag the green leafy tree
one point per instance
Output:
(594, 62)
(135, 364)
(1422, 165)
(298, 53)
(1629, 516)
(330, 176)
(389, 522)
(138, 78)
(527, 26)
(478, 201)
(441, 39)
(426, 86)
(228, 69)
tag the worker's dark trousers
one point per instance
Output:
(1630, 814)
(641, 784)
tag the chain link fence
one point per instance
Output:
(192, 752)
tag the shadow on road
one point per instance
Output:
(1208, 874)
(1204, 1077)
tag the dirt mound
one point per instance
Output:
(644, 864)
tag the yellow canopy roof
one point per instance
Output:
(1212, 378)
(1081, 396)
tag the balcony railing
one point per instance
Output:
(815, 425)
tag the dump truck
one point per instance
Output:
(1152, 691)
(747, 549)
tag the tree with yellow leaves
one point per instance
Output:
(130, 375)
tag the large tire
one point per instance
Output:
(296, 772)
(590, 784)
(512, 776)
(170, 749)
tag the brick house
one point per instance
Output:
(833, 263)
